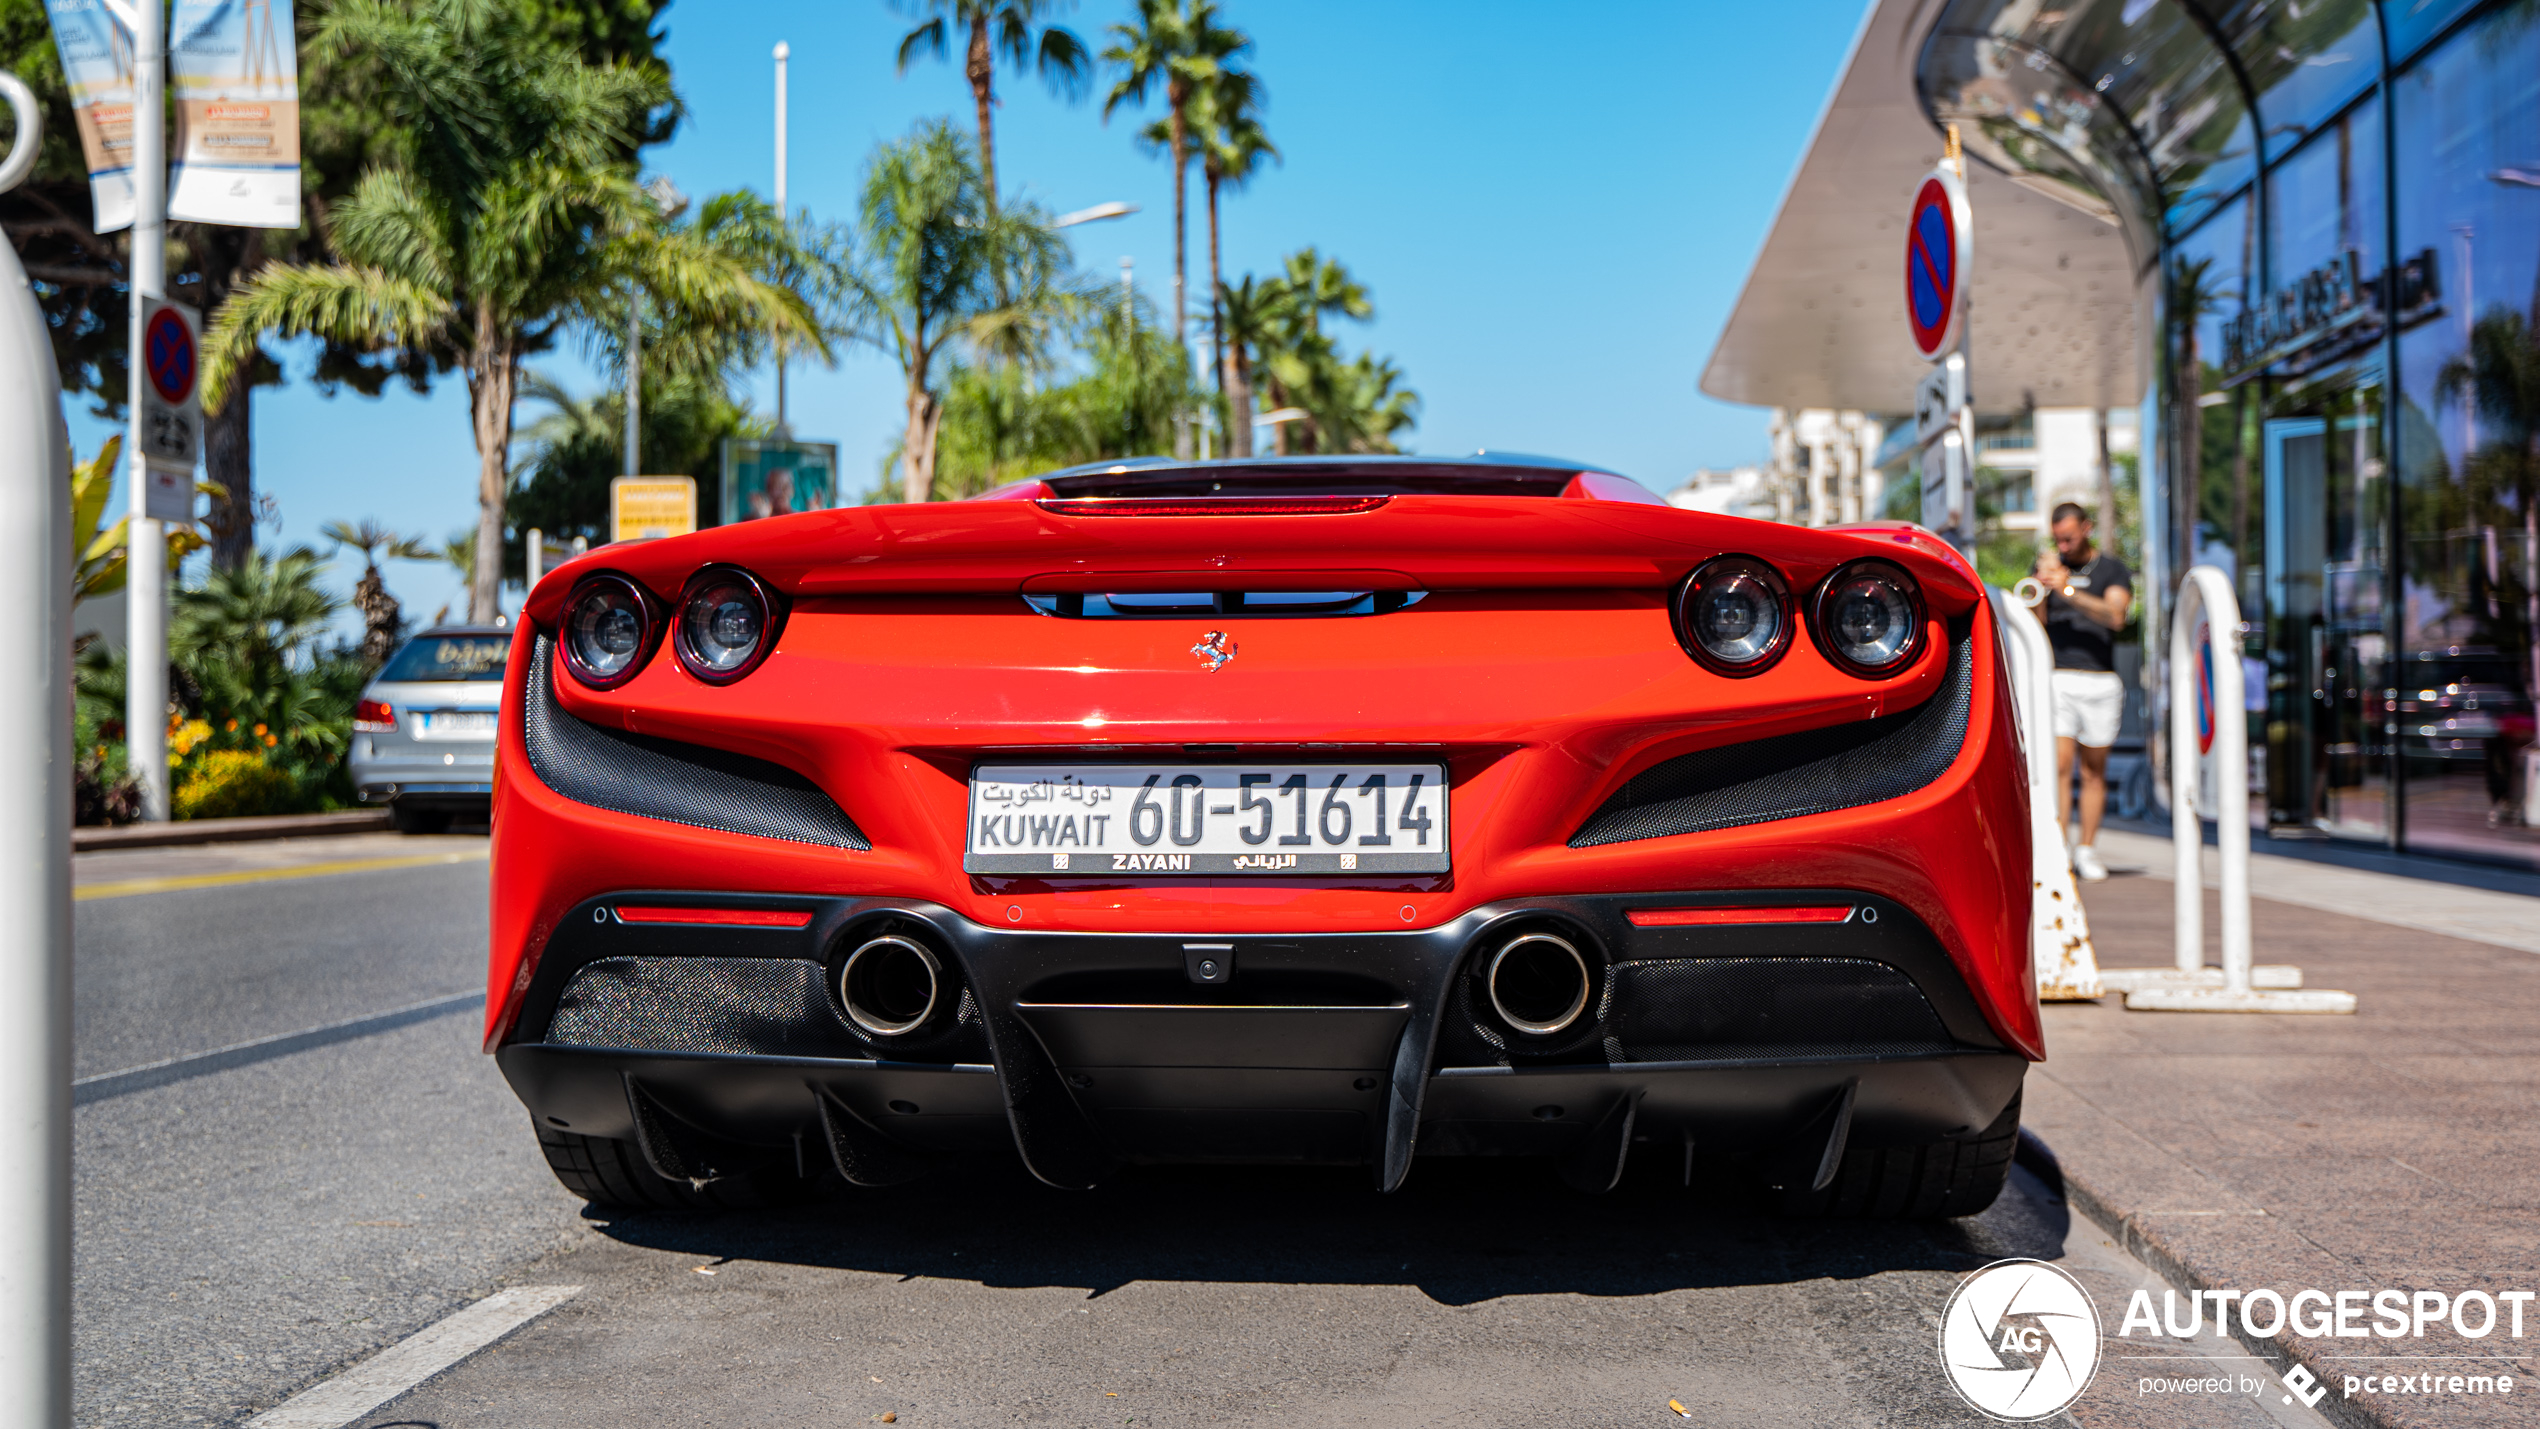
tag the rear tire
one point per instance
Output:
(407, 819)
(1934, 1180)
(614, 1174)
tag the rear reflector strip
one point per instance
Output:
(1212, 505)
(723, 917)
(1708, 917)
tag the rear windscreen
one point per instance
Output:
(450, 657)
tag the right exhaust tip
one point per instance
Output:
(890, 985)
(1539, 983)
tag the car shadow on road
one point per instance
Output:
(1461, 1231)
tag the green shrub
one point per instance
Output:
(230, 783)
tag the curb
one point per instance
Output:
(2146, 1246)
(221, 831)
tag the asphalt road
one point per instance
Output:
(266, 1219)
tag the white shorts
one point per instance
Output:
(2089, 704)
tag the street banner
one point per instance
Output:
(171, 405)
(777, 478)
(234, 67)
(97, 65)
(647, 508)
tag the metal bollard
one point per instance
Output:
(35, 841)
(2206, 717)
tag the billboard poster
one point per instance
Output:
(234, 69)
(97, 66)
(647, 508)
(773, 478)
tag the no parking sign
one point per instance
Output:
(170, 393)
(1937, 249)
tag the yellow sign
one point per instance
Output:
(643, 508)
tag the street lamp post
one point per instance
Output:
(783, 52)
(672, 203)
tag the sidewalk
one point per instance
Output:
(2494, 913)
(2392, 1149)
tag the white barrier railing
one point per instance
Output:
(2059, 931)
(2208, 720)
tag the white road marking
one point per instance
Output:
(412, 1360)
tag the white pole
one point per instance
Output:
(145, 585)
(35, 844)
(783, 215)
(537, 556)
(634, 387)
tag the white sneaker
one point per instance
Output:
(2086, 864)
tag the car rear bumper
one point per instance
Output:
(719, 1045)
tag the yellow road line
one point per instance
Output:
(124, 888)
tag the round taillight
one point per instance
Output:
(1869, 618)
(727, 624)
(1733, 615)
(608, 630)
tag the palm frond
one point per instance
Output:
(361, 307)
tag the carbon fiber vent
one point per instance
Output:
(769, 1007)
(759, 1007)
(664, 779)
(1713, 1009)
(1813, 772)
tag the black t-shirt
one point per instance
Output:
(2080, 642)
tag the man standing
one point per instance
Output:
(2087, 594)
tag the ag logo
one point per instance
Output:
(2020, 1340)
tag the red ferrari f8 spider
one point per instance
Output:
(1328, 810)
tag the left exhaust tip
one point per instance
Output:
(890, 985)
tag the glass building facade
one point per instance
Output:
(2335, 210)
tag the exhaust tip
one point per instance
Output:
(1539, 983)
(890, 985)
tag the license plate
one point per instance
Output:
(457, 724)
(1224, 819)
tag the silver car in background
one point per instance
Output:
(423, 733)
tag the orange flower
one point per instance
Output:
(232, 726)
(270, 741)
(260, 730)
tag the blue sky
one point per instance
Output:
(1554, 206)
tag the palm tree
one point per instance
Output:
(382, 618)
(1304, 363)
(1009, 27)
(258, 617)
(515, 213)
(1252, 316)
(931, 262)
(1179, 44)
(1232, 145)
